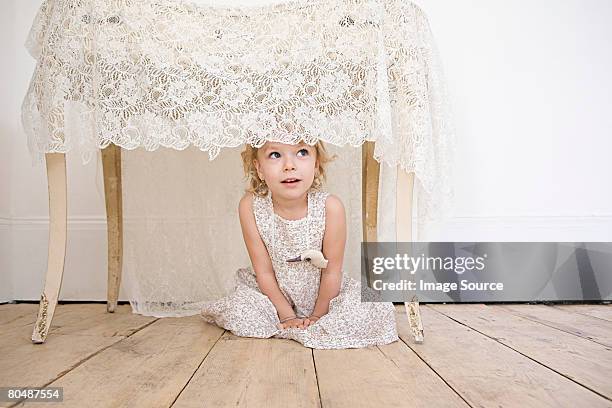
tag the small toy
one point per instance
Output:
(315, 257)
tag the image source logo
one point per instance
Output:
(486, 271)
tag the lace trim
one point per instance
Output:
(170, 73)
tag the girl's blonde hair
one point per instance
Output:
(259, 187)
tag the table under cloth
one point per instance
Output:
(173, 73)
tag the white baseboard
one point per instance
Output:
(529, 228)
(88, 221)
(85, 270)
(6, 271)
(24, 245)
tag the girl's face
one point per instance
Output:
(279, 163)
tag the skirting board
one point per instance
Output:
(23, 247)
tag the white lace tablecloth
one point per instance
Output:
(151, 73)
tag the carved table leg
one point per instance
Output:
(404, 197)
(404, 201)
(111, 165)
(58, 212)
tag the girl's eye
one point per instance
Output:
(303, 150)
(270, 155)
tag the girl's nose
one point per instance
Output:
(289, 165)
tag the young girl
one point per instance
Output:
(284, 213)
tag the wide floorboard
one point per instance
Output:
(474, 355)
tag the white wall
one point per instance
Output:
(531, 89)
(7, 133)
(26, 192)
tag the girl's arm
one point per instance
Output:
(260, 259)
(334, 242)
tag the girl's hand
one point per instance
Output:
(297, 323)
(310, 320)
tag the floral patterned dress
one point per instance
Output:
(349, 323)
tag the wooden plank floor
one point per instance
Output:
(474, 355)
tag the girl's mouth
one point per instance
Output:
(290, 181)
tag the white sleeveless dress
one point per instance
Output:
(247, 312)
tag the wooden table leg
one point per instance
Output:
(403, 217)
(404, 201)
(369, 194)
(370, 173)
(58, 213)
(111, 165)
